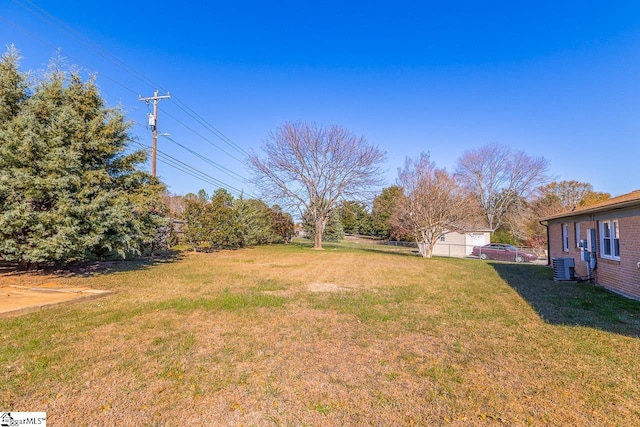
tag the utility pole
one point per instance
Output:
(153, 122)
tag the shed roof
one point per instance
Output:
(624, 201)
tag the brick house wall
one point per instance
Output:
(625, 275)
(621, 276)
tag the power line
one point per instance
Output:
(218, 166)
(59, 25)
(204, 138)
(81, 39)
(211, 128)
(200, 156)
(190, 170)
(196, 173)
(169, 162)
(223, 169)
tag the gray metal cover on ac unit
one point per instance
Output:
(563, 268)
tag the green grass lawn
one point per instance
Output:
(285, 335)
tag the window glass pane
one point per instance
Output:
(605, 236)
(616, 238)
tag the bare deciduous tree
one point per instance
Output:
(500, 178)
(431, 205)
(175, 204)
(310, 168)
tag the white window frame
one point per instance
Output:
(610, 239)
(577, 230)
(565, 237)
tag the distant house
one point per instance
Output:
(609, 232)
(461, 243)
(298, 230)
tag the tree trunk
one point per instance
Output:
(317, 241)
(422, 248)
(429, 248)
(426, 248)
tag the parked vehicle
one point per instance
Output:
(503, 252)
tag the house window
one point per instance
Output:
(565, 237)
(610, 239)
(442, 238)
(577, 226)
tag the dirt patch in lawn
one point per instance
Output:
(17, 299)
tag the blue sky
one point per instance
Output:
(555, 79)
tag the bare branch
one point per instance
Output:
(499, 178)
(310, 168)
(432, 204)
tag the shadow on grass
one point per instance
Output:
(571, 303)
(91, 268)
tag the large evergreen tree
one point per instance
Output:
(68, 190)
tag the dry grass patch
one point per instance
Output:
(290, 336)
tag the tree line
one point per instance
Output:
(390, 214)
(317, 170)
(71, 187)
(221, 221)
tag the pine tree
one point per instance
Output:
(68, 190)
(332, 230)
(254, 218)
(354, 217)
(13, 87)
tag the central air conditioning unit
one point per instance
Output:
(563, 268)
